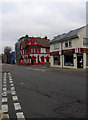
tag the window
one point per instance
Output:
(86, 59)
(68, 60)
(37, 50)
(57, 60)
(68, 43)
(31, 50)
(85, 41)
(34, 50)
(56, 46)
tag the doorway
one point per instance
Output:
(79, 60)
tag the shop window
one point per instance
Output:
(68, 60)
(86, 59)
(56, 46)
(42, 59)
(57, 60)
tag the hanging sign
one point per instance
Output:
(59, 52)
(76, 50)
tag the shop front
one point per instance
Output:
(56, 59)
(70, 58)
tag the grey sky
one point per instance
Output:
(39, 19)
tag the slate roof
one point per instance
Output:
(72, 34)
(66, 36)
(57, 38)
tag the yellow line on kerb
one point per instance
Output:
(4, 115)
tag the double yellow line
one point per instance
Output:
(3, 115)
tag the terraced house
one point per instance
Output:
(70, 50)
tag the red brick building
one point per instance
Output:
(34, 50)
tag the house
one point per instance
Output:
(70, 50)
(34, 50)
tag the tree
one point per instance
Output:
(7, 50)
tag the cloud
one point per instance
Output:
(39, 19)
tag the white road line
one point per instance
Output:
(17, 106)
(11, 81)
(20, 115)
(11, 84)
(4, 85)
(4, 94)
(5, 108)
(12, 88)
(15, 98)
(13, 92)
(4, 82)
(4, 89)
(4, 99)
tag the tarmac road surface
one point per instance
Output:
(33, 92)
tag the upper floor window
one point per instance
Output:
(31, 50)
(56, 46)
(68, 43)
(34, 50)
(85, 41)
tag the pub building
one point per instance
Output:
(34, 50)
(70, 50)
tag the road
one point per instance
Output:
(33, 92)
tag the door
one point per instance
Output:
(32, 61)
(79, 60)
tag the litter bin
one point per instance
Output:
(47, 65)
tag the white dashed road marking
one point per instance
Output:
(4, 89)
(11, 84)
(11, 81)
(4, 85)
(4, 99)
(13, 92)
(4, 94)
(17, 106)
(20, 115)
(4, 108)
(15, 98)
(12, 88)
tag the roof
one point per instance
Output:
(66, 36)
(72, 34)
(43, 42)
(57, 38)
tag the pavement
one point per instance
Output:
(40, 92)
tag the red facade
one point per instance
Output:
(34, 53)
